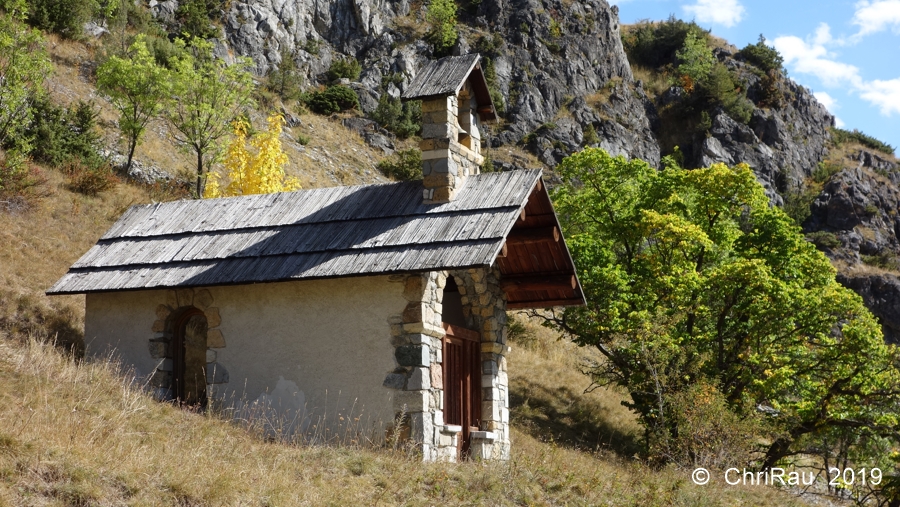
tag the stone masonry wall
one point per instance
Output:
(484, 307)
(417, 336)
(160, 345)
(445, 162)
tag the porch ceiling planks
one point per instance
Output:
(543, 255)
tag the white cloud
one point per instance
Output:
(877, 16)
(723, 12)
(826, 100)
(813, 58)
(831, 105)
(884, 94)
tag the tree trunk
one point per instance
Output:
(132, 144)
(777, 450)
(199, 174)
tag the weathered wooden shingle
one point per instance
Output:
(322, 233)
(441, 77)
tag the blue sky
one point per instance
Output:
(846, 51)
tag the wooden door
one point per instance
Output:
(462, 382)
(189, 359)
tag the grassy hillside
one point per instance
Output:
(81, 434)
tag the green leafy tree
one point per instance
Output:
(441, 16)
(206, 95)
(23, 66)
(692, 278)
(695, 59)
(137, 88)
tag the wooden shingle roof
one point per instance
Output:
(321, 233)
(447, 76)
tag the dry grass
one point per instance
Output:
(37, 247)
(82, 434)
(549, 399)
(861, 269)
(515, 155)
(842, 154)
(654, 83)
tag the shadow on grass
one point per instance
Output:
(568, 417)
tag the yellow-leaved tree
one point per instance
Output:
(260, 171)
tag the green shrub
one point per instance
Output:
(311, 46)
(709, 433)
(825, 170)
(720, 89)
(762, 56)
(655, 44)
(344, 68)
(590, 137)
(303, 139)
(884, 260)
(489, 46)
(797, 203)
(404, 165)
(441, 16)
(824, 239)
(840, 136)
(196, 16)
(332, 100)
(62, 133)
(401, 118)
(285, 80)
(772, 96)
(555, 28)
(65, 17)
(488, 165)
(490, 75)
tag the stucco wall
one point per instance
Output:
(301, 354)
